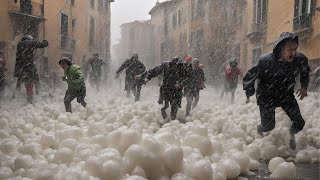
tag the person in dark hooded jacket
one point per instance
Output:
(194, 84)
(172, 85)
(133, 67)
(25, 69)
(276, 72)
(96, 64)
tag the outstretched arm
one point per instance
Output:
(123, 66)
(156, 71)
(34, 44)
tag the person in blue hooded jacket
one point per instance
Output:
(276, 72)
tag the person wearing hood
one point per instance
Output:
(194, 84)
(231, 75)
(76, 85)
(276, 72)
(2, 77)
(96, 64)
(172, 84)
(133, 67)
(25, 69)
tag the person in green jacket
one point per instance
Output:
(76, 85)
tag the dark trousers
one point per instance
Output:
(71, 95)
(175, 102)
(192, 100)
(135, 87)
(291, 108)
(2, 86)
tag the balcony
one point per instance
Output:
(26, 11)
(257, 31)
(302, 25)
(67, 43)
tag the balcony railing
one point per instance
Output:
(67, 42)
(257, 30)
(27, 7)
(302, 22)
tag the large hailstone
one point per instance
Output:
(285, 170)
(274, 162)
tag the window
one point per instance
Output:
(72, 2)
(174, 20)
(165, 26)
(91, 31)
(73, 25)
(179, 17)
(260, 12)
(302, 14)
(101, 6)
(197, 9)
(64, 30)
(256, 53)
(91, 4)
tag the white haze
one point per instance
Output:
(124, 11)
(115, 138)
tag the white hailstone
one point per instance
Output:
(200, 130)
(47, 140)
(243, 161)
(135, 177)
(282, 151)
(69, 143)
(5, 172)
(63, 155)
(93, 166)
(110, 154)
(202, 143)
(217, 146)
(75, 132)
(232, 168)
(150, 144)
(135, 153)
(218, 172)
(113, 139)
(235, 144)
(8, 145)
(48, 173)
(4, 134)
(243, 125)
(23, 161)
(138, 171)
(166, 138)
(128, 164)
(173, 158)
(253, 151)
(274, 162)
(126, 116)
(254, 165)
(129, 137)
(112, 170)
(285, 170)
(180, 176)
(200, 170)
(33, 149)
(215, 158)
(302, 141)
(100, 139)
(314, 154)
(4, 123)
(303, 156)
(269, 152)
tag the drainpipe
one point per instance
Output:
(45, 53)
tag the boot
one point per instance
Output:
(259, 129)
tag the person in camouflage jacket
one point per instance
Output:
(76, 85)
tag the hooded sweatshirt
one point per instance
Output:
(276, 78)
(74, 77)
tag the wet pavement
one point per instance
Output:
(305, 171)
